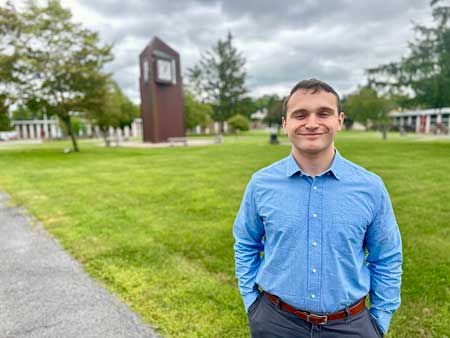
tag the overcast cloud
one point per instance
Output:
(282, 41)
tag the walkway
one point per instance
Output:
(44, 293)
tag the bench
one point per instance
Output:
(173, 140)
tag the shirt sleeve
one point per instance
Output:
(248, 232)
(384, 246)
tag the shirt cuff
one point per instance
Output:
(382, 318)
(249, 298)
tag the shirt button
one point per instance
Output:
(314, 243)
(315, 188)
(313, 296)
(314, 215)
(314, 270)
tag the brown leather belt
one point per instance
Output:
(314, 318)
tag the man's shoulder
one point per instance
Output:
(358, 172)
(276, 169)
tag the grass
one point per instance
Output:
(155, 225)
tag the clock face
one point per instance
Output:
(145, 71)
(164, 69)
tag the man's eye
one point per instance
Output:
(324, 114)
(299, 116)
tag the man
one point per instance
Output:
(316, 233)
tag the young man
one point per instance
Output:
(316, 233)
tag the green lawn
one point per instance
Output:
(155, 225)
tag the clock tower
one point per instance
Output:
(161, 92)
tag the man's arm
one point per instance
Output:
(384, 244)
(248, 232)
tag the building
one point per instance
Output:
(37, 129)
(50, 129)
(428, 121)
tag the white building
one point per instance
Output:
(435, 121)
(51, 129)
(37, 129)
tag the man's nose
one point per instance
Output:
(311, 122)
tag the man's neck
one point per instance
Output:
(314, 164)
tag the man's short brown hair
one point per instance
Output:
(314, 85)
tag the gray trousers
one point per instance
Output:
(267, 320)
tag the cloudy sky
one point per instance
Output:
(282, 41)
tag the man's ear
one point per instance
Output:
(283, 122)
(341, 119)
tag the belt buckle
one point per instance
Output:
(318, 317)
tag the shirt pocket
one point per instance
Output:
(346, 235)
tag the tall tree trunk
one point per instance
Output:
(68, 124)
(383, 129)
(105, 134)
(74, 143)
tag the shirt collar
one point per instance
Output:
(336, 168)
(292, 166)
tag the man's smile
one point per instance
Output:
(312, 134)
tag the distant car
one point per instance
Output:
(8, 135)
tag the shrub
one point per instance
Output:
(239, 122)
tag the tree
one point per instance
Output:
(109, 107)
(4, 119)
(197, 113)
(56, 64)
(246, 107)
(196, 83)
(10, 27)
(129, 111)
(105, 107)
(367, 106)
(422, 78)
(274, 108)
(219, 79)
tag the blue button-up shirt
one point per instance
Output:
(319, 243)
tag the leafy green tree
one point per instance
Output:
(422, 78)
(239, 122)
(367, 106)
(197, 113)
(274, 110)
(219, 79)
(10, 27)
(261, 102)
(57, 64)
(22, 113)
(109, 107)
(4, 119)
(4, 122)
(104, 106)
(196, 83)
(246, 107)
(129, 111)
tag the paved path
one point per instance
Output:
(44, 293)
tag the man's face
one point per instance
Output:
(312, 121)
